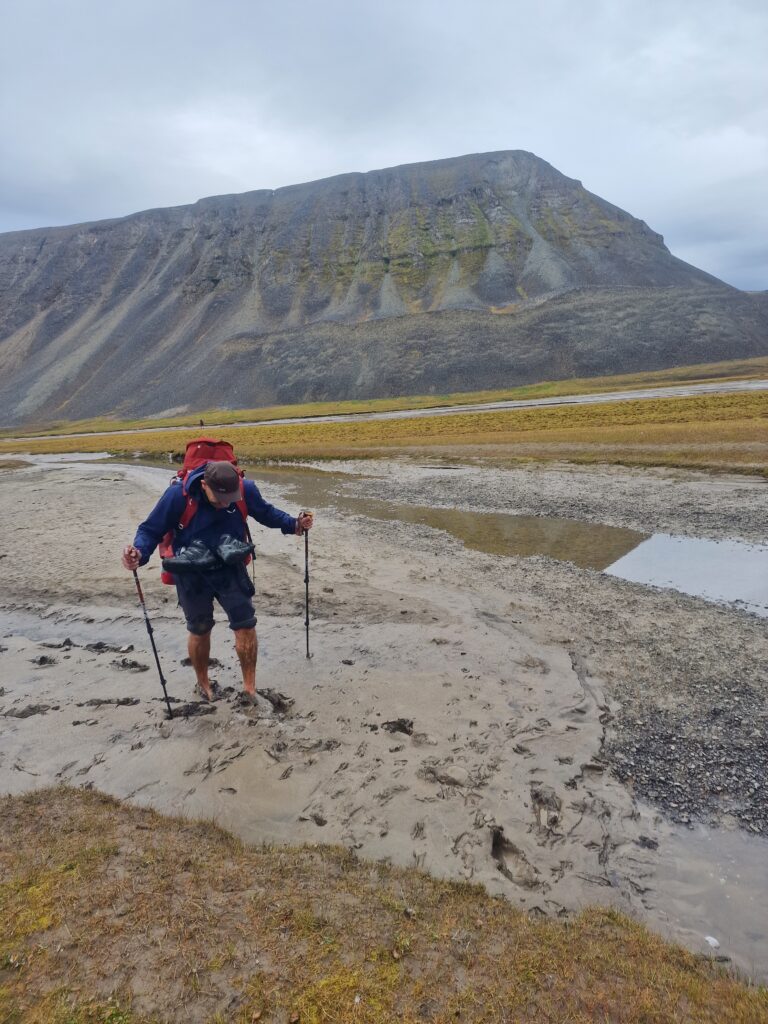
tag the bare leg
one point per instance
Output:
(199, 648)
(247, 647)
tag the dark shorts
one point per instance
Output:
(232, 588)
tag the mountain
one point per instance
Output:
(480, 271)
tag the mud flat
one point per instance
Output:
(514, 721)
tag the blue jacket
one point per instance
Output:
(208, 524)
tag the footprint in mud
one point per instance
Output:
(315, 814)
(279, 701)
(128, 665)
(318, 746)
(31, 710)
(118, 702)
(192, 709)
(386, 794)
(100, 647)
(451, 775)
(531, 662)
(423, 739)
(464, 847)
(512, 862)
(547, 805)
(404, 725)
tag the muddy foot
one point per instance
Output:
(246, 700)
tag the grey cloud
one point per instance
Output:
(660, 108)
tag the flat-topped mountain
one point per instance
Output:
(480, 271)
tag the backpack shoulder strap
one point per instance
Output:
(190, 508)
(242, 507)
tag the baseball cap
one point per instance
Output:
(224, 481)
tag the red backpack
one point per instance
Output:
(198, 452)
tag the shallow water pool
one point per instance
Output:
(724, 571)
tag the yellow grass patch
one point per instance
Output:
(738, 369)
(708, 431)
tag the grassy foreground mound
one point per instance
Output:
(115, 915)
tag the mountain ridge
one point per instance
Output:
(341, 277)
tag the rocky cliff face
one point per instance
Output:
(483, 270)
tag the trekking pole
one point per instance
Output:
(152, 641)
(306, 584)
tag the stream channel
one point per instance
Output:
(725, 571)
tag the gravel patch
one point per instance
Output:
(656, 500)
(686, 677)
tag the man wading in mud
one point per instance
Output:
(210, 552)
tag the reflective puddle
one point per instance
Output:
(719, 570)
(726, 571)
(587, 545)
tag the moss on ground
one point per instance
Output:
(116, 915)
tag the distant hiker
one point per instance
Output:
(201, 423)
(202, 519)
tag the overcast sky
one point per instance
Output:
(660, 106)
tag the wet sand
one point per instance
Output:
(460, 712)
